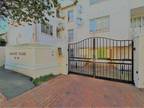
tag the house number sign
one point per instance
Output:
(17, 54)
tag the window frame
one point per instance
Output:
(99, 24)
(47, 29)
(70, 15)
(70, 38)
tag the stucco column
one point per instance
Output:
(34, 35)
(139, 62)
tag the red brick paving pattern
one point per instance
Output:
(79, 92)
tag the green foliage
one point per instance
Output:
(43, 79)
(102, 53)
(30, 11)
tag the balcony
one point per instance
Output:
(137, 21)
(137, 31)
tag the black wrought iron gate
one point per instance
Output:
(102, 58)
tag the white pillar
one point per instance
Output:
(139, 62)
(34, 34)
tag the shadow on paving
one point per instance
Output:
(13, 84)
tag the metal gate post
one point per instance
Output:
(133, 61)
(68, 58)
(94, 57)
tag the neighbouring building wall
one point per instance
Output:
(136, 3)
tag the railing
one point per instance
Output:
(51, 39)
(102, 57)
(137, 31)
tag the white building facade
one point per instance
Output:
(109, 18)
(36, 50)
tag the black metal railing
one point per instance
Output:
(102, 58)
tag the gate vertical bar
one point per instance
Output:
(132, 61)
(68, 58)
(94, 57)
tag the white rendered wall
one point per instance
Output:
(36, 60)
(136, 3)
(19, 35)
(119, 12)
(139, 62)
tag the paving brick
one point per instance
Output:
(75, 91)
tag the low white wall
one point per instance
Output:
(2, 56)
(35, 60)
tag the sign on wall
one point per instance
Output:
(17, 55)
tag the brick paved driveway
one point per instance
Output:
(80, 92)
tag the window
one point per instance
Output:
(93, 25)
(47, 29)
(99, 24)
(79, 9)
(70, 35)
(70, 16)
(79, 22)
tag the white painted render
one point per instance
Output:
(119, 12)
(25, 34)
(35, 60)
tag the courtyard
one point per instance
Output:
(78, 91)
